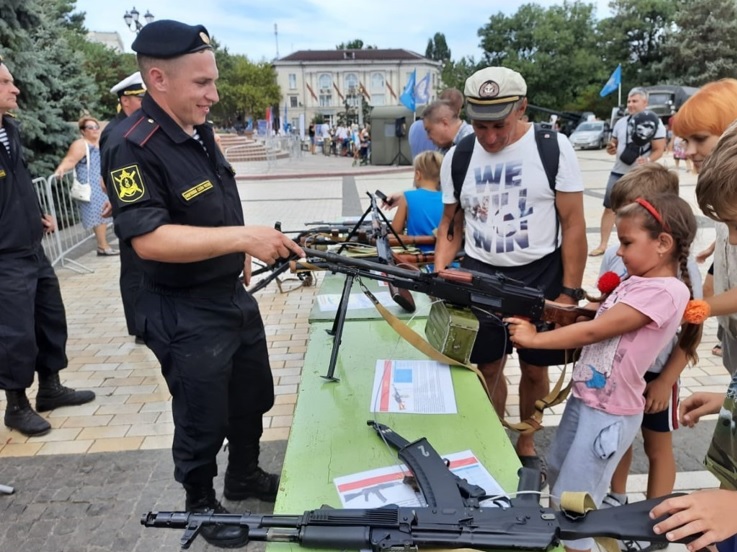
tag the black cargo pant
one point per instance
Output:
(130, 283)
(33, 325)
(213, 354)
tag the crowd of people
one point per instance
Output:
(506, 193)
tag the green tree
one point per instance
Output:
(356, 44)
(54, 86)
(703, 45)
(554, 48)
(634, 36)
(245, 88)
(437, 48)
(454, 73)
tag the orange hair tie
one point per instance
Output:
(697, 311)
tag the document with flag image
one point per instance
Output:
(613, 83)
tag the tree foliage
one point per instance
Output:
(634, 36)
(702, 47)
(355, 44)
(437, 48)
(553, 48)
(54, 87)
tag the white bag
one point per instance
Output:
(79, 191)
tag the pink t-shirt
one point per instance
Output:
(609, 374)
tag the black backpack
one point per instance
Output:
(547, 148)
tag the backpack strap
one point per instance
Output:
(549, 151)
(458, 169)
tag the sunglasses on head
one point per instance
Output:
(91, 127)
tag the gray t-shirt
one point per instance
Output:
(622, 131)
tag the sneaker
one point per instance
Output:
(611, 501)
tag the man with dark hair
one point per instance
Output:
(130, 93)
(516, 222)
(175, 201)
(32, 319)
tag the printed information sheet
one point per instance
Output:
(382, 486)
(413, 387)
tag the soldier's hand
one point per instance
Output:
(269, 245)
(107, 209)
(49, 224)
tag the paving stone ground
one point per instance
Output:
(84, 486)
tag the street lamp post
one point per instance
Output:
(131, 19)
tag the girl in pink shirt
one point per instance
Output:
(632, 324)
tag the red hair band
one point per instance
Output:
(653, 211)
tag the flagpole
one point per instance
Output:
(620, 93)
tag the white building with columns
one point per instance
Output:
(326, 81)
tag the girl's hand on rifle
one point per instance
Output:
(521, 332)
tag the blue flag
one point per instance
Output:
(613, 83)
(407, 98)
(422, 90)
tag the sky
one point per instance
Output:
(247, 26)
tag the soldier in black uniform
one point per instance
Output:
(130, 92)
(33, 326)
(175, 201)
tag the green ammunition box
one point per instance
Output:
(452, 330)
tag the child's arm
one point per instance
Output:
(400, 217)
(658, 391)
(709, 512)
(618, 320)
(724, 303)
(699, 404)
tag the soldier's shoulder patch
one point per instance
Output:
(128, 184)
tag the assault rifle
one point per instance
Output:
(453, 517)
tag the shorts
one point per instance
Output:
(613, 177)
(492, 341)
(665, 420)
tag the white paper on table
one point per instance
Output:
(329, 302)
(383, 486)
(413, 387)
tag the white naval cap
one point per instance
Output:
(131, 85)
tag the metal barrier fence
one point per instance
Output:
(53, 195)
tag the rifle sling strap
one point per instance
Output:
(557, 395)
(580, 503)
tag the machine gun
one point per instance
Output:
(452, 518)
(494, 293)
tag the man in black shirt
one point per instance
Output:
(176, 202)
(130, 93)
(33, 323)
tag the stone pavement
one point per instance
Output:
(84, 485)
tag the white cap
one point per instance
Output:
(491, 93)
(132, 85)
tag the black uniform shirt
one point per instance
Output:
(115, 121)
(21, 229)
(156, 174)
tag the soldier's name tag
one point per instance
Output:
(194, 191)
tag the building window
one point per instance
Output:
(325, 81)
(326, 99)
(292, 81)
(293, 102)
(377, 83)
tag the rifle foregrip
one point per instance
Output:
(565, 314)
(403, 298)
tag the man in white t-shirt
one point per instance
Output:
(637, 100)
(515, 224)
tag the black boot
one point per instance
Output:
(201, 499)
(52, 394)
(20, 416)
(253, 483)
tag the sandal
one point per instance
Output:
(107, 252)
(717, 350)
(598, 252)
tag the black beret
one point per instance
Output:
(166, 38)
